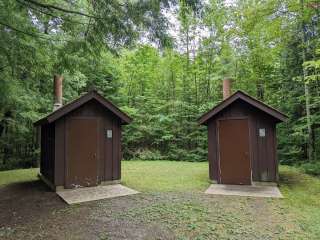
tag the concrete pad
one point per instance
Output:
(86, 194)
(244, 190)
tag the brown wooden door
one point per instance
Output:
(234, 157)
(82, 152)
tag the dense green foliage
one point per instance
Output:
(162, 62)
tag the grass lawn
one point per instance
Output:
(171, 205)
(15, 176)
(161, 176)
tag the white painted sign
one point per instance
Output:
(262, 132)
(109, 133)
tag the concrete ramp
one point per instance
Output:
(86, 194)
(244, 190)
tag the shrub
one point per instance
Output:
(311, 168)
(147, 154)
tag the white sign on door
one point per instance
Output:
(262, 132)
(109, 133)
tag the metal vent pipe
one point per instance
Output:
(226, 88)
(57, 92)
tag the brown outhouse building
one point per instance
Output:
(81, 142)
(242, 146)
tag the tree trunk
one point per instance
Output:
(309, 124)
(306, 86)
(260, 91)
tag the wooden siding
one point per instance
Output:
(109, 155)
(212, 151)
(116, 150)
(47, 151)
(108, 150)
(262, 149)
(59, 152)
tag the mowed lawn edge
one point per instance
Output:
(144, 176)
(301, 191)
(163, 175)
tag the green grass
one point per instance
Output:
(144, 176)
(155, 176)
(302, 197)
(20, 175)
(301, 203)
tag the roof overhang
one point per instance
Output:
(125, 119)
(279, 117)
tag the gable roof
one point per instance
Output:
(280, 117)
(67, 108)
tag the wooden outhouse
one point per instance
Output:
(242, 145)
(81, 143)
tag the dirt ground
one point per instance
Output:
(30, 210)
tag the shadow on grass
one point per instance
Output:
(28, 194)
(291, 178)
(26, 202)
(28, 186)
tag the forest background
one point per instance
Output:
(163, 63)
